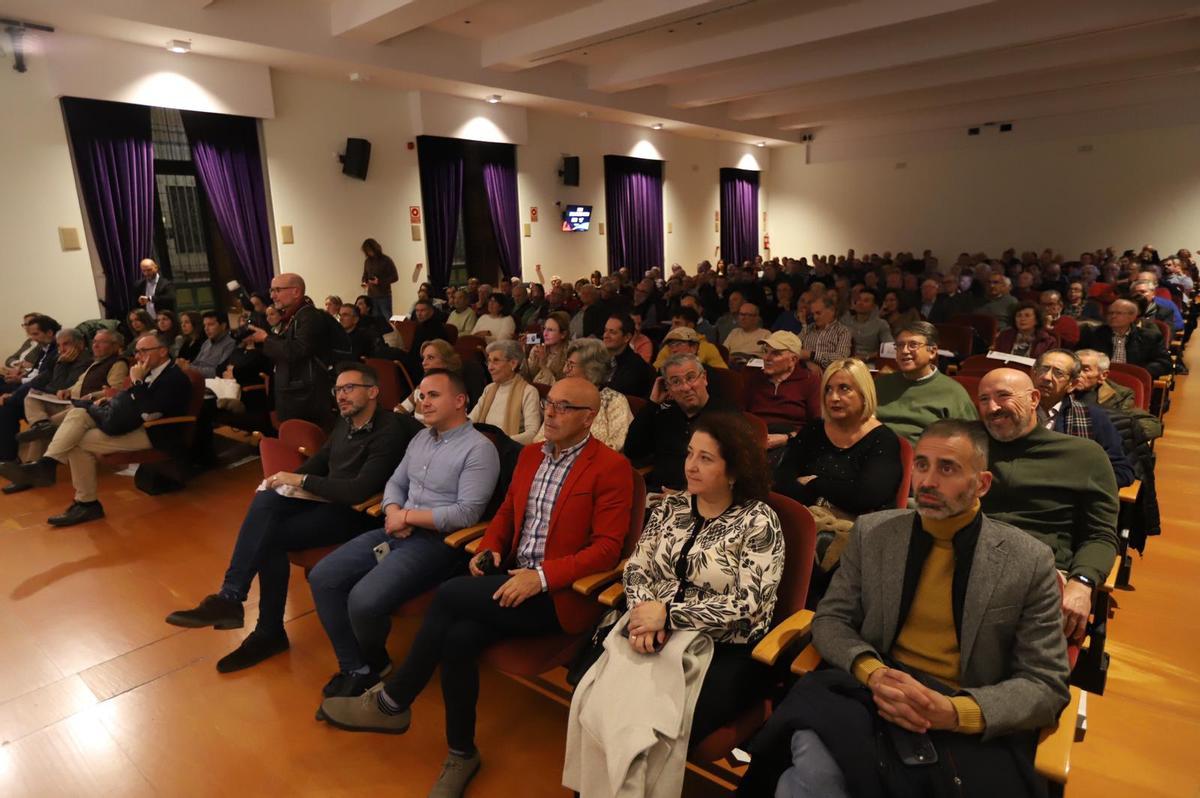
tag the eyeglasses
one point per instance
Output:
(144, 349)
(1058, 373)
(560, 407)
(337, 390)
(910, 346)
(277, 289)
(686, 379)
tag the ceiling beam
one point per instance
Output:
(1098, 49)
(987, 28)
(671, 63)
(550, 39)
(376, 21)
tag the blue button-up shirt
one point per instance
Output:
(543, 494)
(453, 474)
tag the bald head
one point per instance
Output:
(287, 291)
(1008, 404)
(570, 409)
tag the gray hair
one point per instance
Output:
(1102, 360)
(595, 362)
(682, 359)
(510, 349)
(973, 431)
(70, 334)
(117, 338)
(1076, 364)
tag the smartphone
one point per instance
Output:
(533, 338)
(381, 551)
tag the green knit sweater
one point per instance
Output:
(909, 407)
(1061, 490)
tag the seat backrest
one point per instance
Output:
(543, 389)
(1165, 329)
(978, 365)
(906, 464)
(196, 400)
(727, 384)
(276, 456)
(723, 351)
(759, 427)
(451, 333)
(408, 328)
(465, 343)
(971, 383)
(800, 539)
(1137, 372)
(407, 384)
(296, 433)
(391, 392)
(981, 323)
(636, 517)
(636, 403)
(1134, 383)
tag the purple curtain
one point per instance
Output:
(114, 158)
(739, 215)
(634, 211)
(441, 166)
(225, 150)
(500, 181)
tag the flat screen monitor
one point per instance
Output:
(577, 218)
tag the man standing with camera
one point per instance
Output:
(301, 353)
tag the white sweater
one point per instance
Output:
(531, 411)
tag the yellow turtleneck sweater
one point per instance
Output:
(927, 642)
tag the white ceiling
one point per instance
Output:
(749, 70)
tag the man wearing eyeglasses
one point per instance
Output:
(302, 354)
(661, 430)
(918, 394)
(160, 389)
(1054, 374)
(312, 506)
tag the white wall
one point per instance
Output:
(1131, 188)
(37, 196)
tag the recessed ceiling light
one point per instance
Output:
(494, 98)
(585, 114)
(657, 126)
(761, 144)
(179, 46)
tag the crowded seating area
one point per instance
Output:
(797, 526)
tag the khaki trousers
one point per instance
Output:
(78, 441)
(36, 410)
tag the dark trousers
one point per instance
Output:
(463, 620)
(11, 414)
(733, 682)
(275, 525)
(381, 306)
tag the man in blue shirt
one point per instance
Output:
(443, 484)
(215, 351)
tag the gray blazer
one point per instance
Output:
(1013, 651)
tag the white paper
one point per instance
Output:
(293, 493)
(223, 388)
(49, 398)
(1008, 358)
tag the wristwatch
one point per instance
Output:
(1083, 580)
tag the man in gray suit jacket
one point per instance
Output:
(944, 625)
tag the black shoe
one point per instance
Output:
(40, 474)
(77, 513)
(11, 470)
(15, 487)
(257, 647)
(214, 611)
(349, 685)
(40, 430)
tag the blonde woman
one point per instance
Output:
(435, 354)
(509, 403)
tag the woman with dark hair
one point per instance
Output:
(167, 323)
(895, 311)
(191, 336)
(379, 272)
(495, 325)
(258, 310)
(1026, 335)
(709, 561)
(138, 321)
(372, 325)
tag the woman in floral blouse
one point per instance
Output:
(710, 559)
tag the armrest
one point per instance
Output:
(644, 470)
(1129, 493)
(464, 536)
(162, 422)
(375, 510)
(254, 388)
(1110, 583)
(613, 595)
(772, 646)
(473, 547)
(1163, 383)
(806, 661)
(592, 584)
(369, 504)
(304, 452)
(1053, 757)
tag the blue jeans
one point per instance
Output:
(356, 596)
(275, 525)
(381, 306)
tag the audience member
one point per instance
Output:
(726, 323)
(1078, 306)
(589, 359)
(1055, 373)
(1026, 334)
(1125, 342)
(333, 304)
(1065, 328)
(509, 402)
(589, 321)
(923, 655)
(708, 563)
(167, 325)
(1157, 308)
(494, 325)
(41, 330)
(191, 336)
(1094, 387)
(217, 347)
(640, 343)
(1000, 302)
(896, 311)
(153, 292)
(160, 389)
(378, 275)
(660, 431)
(362, 341)
(1059, 488)
(139, 322)
(631, 375)
(28, 352)
(682, 338)
(868, 331)
(463, 316)
(918, 394)
(533, 550)
(826, 339)
(442, 484)
(546, 358)
(783, 393)
(70, 361)
(312, 506)
(743, 341)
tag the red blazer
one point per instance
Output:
(587, 527)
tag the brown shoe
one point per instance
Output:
(362, 714)
(457, 772)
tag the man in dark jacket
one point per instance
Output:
(160, 389)
(1125, 342)
(70, 360)
(301, 353)
(153, 293)
(631, 375)
(313, 506)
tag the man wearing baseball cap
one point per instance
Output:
(683, 339)
(783, 392)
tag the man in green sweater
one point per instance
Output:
(1059, 488)
(918, 395)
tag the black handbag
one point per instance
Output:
(117, 416)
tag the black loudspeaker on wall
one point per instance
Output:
(357, 158)
(570, 170)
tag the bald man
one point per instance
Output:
(302, 353)
(1058, 488)
(153, 293)
(565, 516)
(1125, 342)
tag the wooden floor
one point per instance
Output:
(99, 697)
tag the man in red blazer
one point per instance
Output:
(565, 516)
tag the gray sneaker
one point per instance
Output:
(362, 713)
(457, 772)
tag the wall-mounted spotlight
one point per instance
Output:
(657, 126)
(180, 46)
(494, 98)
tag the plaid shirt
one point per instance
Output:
(827, 345)
(543, 493)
